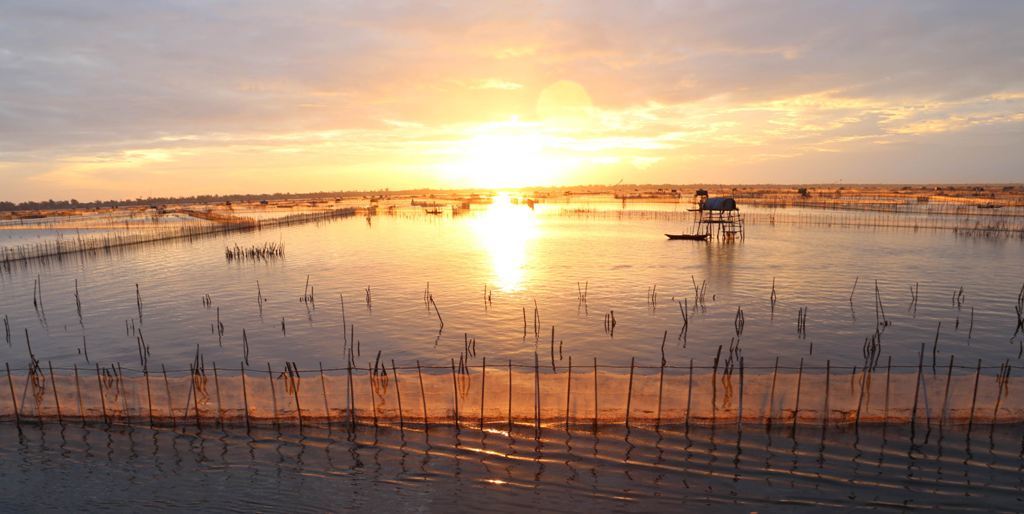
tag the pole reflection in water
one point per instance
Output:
(389, 470)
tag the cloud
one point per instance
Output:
(352, 95)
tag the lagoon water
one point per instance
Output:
(487, 271)
(526, 258)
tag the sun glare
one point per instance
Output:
(512, 154)
(505, 231)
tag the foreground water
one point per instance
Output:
(90, 468)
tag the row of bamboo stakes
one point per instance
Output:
(292, 376)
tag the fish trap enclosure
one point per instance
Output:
(574, 396)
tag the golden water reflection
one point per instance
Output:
(505, 231)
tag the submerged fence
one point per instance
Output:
(107, 241)
(580, 396)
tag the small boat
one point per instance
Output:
(434, 211)
(688, 237)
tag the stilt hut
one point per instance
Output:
(718, 217)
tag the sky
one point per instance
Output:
(109, 99)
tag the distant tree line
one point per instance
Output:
(75, 204)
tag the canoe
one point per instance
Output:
(690, 237)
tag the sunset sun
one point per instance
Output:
(513, 154)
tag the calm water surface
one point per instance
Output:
(485, 270)
(525, 258)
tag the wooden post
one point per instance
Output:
(860, 398)
(455, 394)
(245, 398)
(828, 384)
(352, 394)
(194, 375)
(739, 418)
(323, 391)
(974, 399)
(373, 394)
(568, 394)
(771, 397)
(917, 393)
(216, 384)
(888, 376)
(661, 384)
(78, 389)
(796, 408)
(595, 395)
(945, 396)
(510, 381)
(483, 386)
(689, 397)
(398, 393)
(629, 390)
(149, 395)
(536, 394)
(170, 404)
(14, 398)
(124, 396)
(56, 397)
(423, 396)
(714, 386)
(103, 401)
(295, 392)
(273, 396)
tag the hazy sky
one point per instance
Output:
(114, 99)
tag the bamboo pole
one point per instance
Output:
(595, 395)
(888, 376)
(536, 394)
(483, 385)
(103, 401)
(828, 384)
(78, 389)
(273, 396)
(398, 393)
(974, 399)
(14, 398)
(739, 417)
(195, 397)
(796, 408)
(510, 382)
(568, 393)
(629, 390)
(455, 393)
(689, 396)
(917, 392)
(170, 404)
(149, 396)
(56, 397)
(352, 395)
(771, 397)
(945, 395)
(423, 396)
(295, 393)
(245, 397)
(323, 390)
(661, 384)
(216, 384)
(373, 395)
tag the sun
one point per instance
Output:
(508, 155)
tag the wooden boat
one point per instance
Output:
(688, 237)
